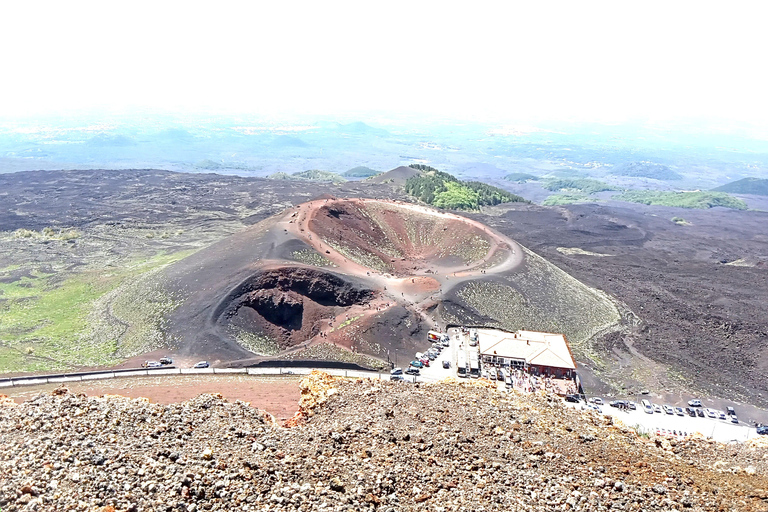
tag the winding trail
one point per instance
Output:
(417, 291)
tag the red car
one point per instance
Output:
(425, 361)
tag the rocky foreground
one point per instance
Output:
(359, 445)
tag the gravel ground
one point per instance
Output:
(277, 395)
(359, 445)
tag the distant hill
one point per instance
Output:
(444, 190)
(754, 186)
(318, 175)
(646, 170)
(360, 128)
(520, 177)
(397, 176)
(208, 164)
(286, 141)
(360, 172)
(311, 175)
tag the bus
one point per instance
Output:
(474, 364)
(461, 365)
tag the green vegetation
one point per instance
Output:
(583, 185)
(47, 322)
(520, 177)
(360, 172)
(563, 199)
(256, 343)
(754, 186)
(700, 200)
(311, 175)
(48, 234)
(422, 167)
(443, 190)
(646, 170)
(311, 257)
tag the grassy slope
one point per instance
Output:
(45, 322)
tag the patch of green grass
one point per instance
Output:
(311, 257)
(46, 322)
(699, 200)
(520, 177)
(577, 185)
(569, 198)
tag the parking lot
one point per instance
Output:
(720, 430)
(672, 424)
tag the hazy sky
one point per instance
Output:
(603, 61)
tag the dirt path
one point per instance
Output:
(415, 291)
(297, 223)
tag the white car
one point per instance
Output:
(657, 409)
(694, 403)
(647, 406)
(596, 400)
(668, 409)
(710, 412)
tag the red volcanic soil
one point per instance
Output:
(405, 242)
(277, 395)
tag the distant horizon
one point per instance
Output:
(607, 63)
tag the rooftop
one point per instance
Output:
(537, 348)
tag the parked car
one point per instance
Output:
(396, 377)
(679, 411)
(700, 413)
(721, 415)
(396, 371)
(412, 371)
(595, 408)
(730, 411)
(166, 360)
(632, 406)
(446, 364)
(694, 403)
(202, 364)
(647, 406)
(424, 361)
(734, 419)
(710, 412)
(668, 409)
(657, 409)
(417, 364)
(690, 411)
(763, 431)
(151, 364)
(574, 399)
(596, 400)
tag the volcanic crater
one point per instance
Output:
(345, 278)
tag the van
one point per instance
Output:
(507, 379)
